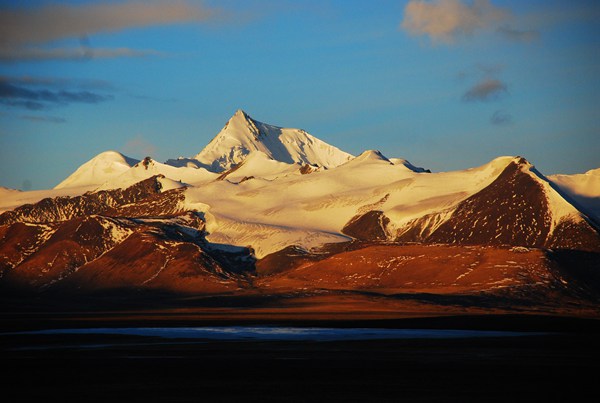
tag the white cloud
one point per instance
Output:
(444, 21)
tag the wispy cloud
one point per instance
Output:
(488, 89)
(151, 98)
(516, 35)
(59, 82)
(24, 29)
(43, 119)
(547, 17)
(480, 70)
(572, 11)
(34, 118)
(444, 21)
(138, 146)
(83, 53)
(17, 95)
(501, 118)
(485, 82)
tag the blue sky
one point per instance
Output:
(446, 84)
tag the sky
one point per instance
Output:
(446, 84)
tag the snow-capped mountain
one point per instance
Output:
(279, 150)
(282, 199)
(98, 170)
(243, 135)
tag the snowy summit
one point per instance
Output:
(243, 135)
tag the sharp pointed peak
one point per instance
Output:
(242, 135)
(241, 119)
(240, 113)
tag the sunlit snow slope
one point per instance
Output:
(583, 188)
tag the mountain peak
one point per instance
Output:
(368, 156)
(243, 135)
(241, 119)
(240, 113)
(98, 170)
(372, 155)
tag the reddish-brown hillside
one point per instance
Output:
(521, 273)
(119, 239)
(512, 210)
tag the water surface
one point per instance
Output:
(273, 333)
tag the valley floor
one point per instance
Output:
(558, 362)
(555, 357)
(553, 302)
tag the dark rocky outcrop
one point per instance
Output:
(286, 259)
(370, 226)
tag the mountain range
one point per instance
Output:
(270, 210)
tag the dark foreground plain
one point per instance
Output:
(557, 361)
